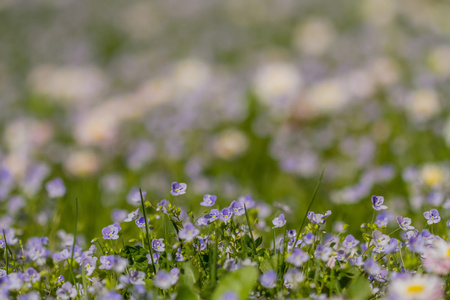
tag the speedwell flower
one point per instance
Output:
(208, 200)
(377, 202)
(279, 221)
(178, 188)
(188, 232)
(432, 216)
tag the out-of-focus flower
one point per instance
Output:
(318, 218)
(188, 232)
(314, 36)
(107, 262)
(163, 280)
(292, 278)
(433, 175)
(350, 242)
(297, 257)
(328, 96)
(274, 83)
(68, 83)
(55, 188)
(134, 196)
(416, 287)
(132, 215)
(82, 163)
(269, 279)
(230, 144)
(423, 105)
(439, 60)
(436, 259)
(208, 200)
(67, 291)
(323, 252)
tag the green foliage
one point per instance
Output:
(241, 282)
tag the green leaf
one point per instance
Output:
(240, 282)
(268, 264)
(185, 289)
(191, 274)
(258, 241)
(359, 289)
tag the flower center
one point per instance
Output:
(415, 289)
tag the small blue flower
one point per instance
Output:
(213, 215)
(202, 221)
(404, 223)
(67, 291)
(237, 208)
(89, 265)
(179, 256)
(377, 202)
(382, 220)
(247, 200)
(318, 218)
(158, 245)
(350, 242)
(178, 188)
(111, 232)
(269, 279)
(162, 205)
(226, 214)
(155, 258)
(432, 216)
(208, 200)
(308, 238)
(292, 233)
(141, 222)
(132, 216)
(107, 262)
(188, 232)
(297, 257)
(279, 221)
(201, 244)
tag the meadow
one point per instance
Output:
(224, 149)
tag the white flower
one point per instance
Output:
(416, 287)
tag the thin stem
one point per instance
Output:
(249, 228)
(309, 206)
(274, 242)
(74, 240)
(6, 252)
(146, 229)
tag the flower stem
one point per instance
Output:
(309, 206)
(250, 228)
(146, 230)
